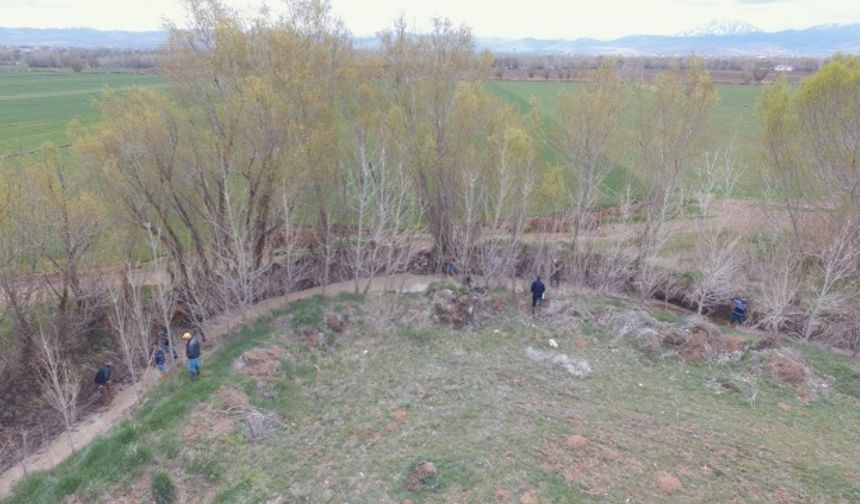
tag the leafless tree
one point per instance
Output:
(779, 271)
(833, 283)
(59, 380)
(129, 322)
(717, 260)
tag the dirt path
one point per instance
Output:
(125, 399)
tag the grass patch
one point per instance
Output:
(162, 488)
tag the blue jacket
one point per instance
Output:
(103, 375)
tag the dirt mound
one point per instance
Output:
(700, 341)
(628, 324)
(313, 337)
(423, 474)
(208, 423)
(232, 399)
(787, 366)
(453, 308)
(337, 322)
(784, 365)
(261, 363)
(668, 483)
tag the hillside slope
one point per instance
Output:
(459, 397)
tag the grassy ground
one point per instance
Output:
(36, 105)
(338, 417)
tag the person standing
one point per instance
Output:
(538, 289)
(158, 357)
(739, 311)
(104, 383)
(192, 352)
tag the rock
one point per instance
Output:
(502, 495)
(400, 415)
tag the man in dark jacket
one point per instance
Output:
(739, 311)
(538, 288)
(192, 352)
(158, 357)
(103, 381)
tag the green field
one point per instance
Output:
(734, 122)
(36, 106)
(734, 114)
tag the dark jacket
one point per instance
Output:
(103, 375)
(538, 289)
(159, 356)
(192, 348)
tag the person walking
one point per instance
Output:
(538, 289)
(104, 383)
(192, 352)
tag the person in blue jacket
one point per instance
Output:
(739, 311)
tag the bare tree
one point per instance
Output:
(779, 270)
(717, 260)
(129, 322)
(58, 379)
(587, 118)
(833, 284)
(671, 123)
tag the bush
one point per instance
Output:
(163, 490)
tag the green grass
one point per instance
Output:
(37, 105)
(357, 416)
(734, 121)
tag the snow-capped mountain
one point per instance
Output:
(721, 27)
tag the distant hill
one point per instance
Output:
(719, 38)
(816, 41)
(80, 37)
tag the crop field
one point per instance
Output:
(36, 106)
(734, 116)
(734, 122)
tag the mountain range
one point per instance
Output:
(719, 38)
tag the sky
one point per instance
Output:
(570, 19)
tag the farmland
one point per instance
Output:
(734, 115)
(36, 106)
